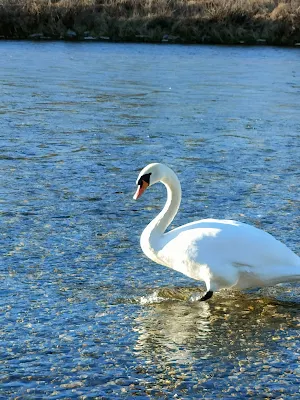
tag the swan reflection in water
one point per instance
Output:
(196, 346)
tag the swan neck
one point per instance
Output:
(151, 238)
(166, 216)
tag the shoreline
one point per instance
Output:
(225, 22)
(162, 42)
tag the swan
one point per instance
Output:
(221, 253)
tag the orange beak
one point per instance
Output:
(140, 190)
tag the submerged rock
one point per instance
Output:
(142, 37)
(36, 36)
(39, 36)
(170, 38)
(71, 34)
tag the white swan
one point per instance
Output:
(222, 253)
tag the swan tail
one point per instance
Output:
(280, 274)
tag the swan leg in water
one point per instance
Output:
(207, 295)
(222, 253)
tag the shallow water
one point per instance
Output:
(83, 314)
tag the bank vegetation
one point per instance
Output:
(272, 22)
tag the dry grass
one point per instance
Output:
(188, 21)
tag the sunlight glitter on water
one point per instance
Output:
(83, 313)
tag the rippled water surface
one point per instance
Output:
(84, 315)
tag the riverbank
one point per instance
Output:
(268, 22)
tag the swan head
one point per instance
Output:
(148, 176)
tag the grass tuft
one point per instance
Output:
(186, 21)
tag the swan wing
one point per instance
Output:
(225, 251)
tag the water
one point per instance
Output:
(84, 315)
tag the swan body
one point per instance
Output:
(222, 253)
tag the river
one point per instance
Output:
(84, 315)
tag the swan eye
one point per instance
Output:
(144, 178)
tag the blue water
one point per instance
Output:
(84, 315)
